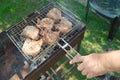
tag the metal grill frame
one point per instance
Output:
(14, 31)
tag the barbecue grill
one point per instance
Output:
(51, 53)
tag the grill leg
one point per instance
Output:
(87, 9)
(78, 47)
(113, 29)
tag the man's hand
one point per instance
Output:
(92, 65)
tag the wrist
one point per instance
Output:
(106, 62)
(112, 61)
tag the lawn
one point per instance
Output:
(95, 39)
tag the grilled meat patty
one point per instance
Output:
(38, 22)
(31, 47)
(54, 14)
(64, 26)
(31, 32)
(50, 37)
(45, 23)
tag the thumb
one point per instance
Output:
(77, 59)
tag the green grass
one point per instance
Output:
(13, 11)
(95, 39)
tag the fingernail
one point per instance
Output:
(78, 68)
(70, 62)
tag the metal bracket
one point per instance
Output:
(67, 48)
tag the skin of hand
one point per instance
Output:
(98, 64)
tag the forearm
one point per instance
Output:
(98, 64)
(113, 60)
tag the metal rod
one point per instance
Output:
(58, 78)
(67, 45)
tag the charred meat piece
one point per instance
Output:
(46, 23)
(38, 23)
(54, 14)
(15, 77)
(31, 32)
(24, 73)
(64, 26)
(25, 70)
(31, 47)
(50, 37)
(43, 32)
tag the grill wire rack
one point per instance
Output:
(14, 31)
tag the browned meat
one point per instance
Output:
(64, 26)
(54, 14)
(31, 47)
(26, 65)
(31, 32)
(15, 77)
(50, 37)
(43, 32)
(38, 23)
(46, 23)
(25, 70)
(24, 73)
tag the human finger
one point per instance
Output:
(76, 59)
(90, 75)
(84, 72)
(80, 67)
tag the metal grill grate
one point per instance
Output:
(15, 31)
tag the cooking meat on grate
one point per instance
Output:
(46, 23)
(64, 26)
(31, 32)
(43, 32)
(15, 77)
(31, 47)
(50, 37)
(38, 23)
(54, 14)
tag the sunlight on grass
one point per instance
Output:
(72, 78)
(0, 30)
(0, 27)
(91, 46)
